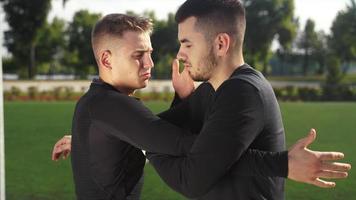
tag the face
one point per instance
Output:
(195, 51)
(131, 62)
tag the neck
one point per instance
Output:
(223, 71)
(122, 89)
(128, 92)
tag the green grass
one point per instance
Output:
(31, 129)
(347, 79)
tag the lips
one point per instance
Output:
(146, 75)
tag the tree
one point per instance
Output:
(25, 18)
(343, 34)
(51, 41)
(321, 51)
(165, 45)
(307, 43)
(266, 21)
(52, 47)
(333, 89)
(80, 55)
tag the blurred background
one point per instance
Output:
(305, 48)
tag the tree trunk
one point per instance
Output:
(31, 68)
(306, 63)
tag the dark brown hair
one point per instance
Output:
(216, 16)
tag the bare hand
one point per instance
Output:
(309, 166)
(183, 84)
(62, 148)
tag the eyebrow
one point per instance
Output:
(143, 50)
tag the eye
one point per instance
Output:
(188, 46)
(138, 55)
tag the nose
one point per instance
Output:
(181, 55)
(148, 62)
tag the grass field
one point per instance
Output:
(347, 79)
(32, 128)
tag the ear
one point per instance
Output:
(222, 44)
(105, 59)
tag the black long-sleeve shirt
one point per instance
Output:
(191, 113)
(107, 125)
(244, 115)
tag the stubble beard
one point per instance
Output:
(205, 69)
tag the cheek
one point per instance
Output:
(133, 70)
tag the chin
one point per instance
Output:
(199, 77)
(143, 84)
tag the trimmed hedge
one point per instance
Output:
(289, 93)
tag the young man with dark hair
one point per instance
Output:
(108, 124)
(244, 114)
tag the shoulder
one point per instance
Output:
(237, 86)
(238, 94)
(106, 102)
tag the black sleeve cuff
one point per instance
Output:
(283, 159)
(176, 100)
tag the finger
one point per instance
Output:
(304, 142)
(58, 143)
(310, 138)
(66, 154)
(186, 74)
(175, 68)
(55, 150)
(332, 174)
(335, 166)
(68, 137)
(53, 157)
(330, 155)
(59, 149)
(323, 184)
(65, 147)
(56, 156)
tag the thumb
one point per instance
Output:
(305, 142)
(175, 68)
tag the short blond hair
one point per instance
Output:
(115, 25)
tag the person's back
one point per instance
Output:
(271, 138)
(104, 167)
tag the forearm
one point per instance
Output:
(261, 163)
(180, 174)
(189, 113)
(178, 114)
(135, 124)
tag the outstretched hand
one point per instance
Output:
(312, 167)
(62, 148)
(183, 83)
